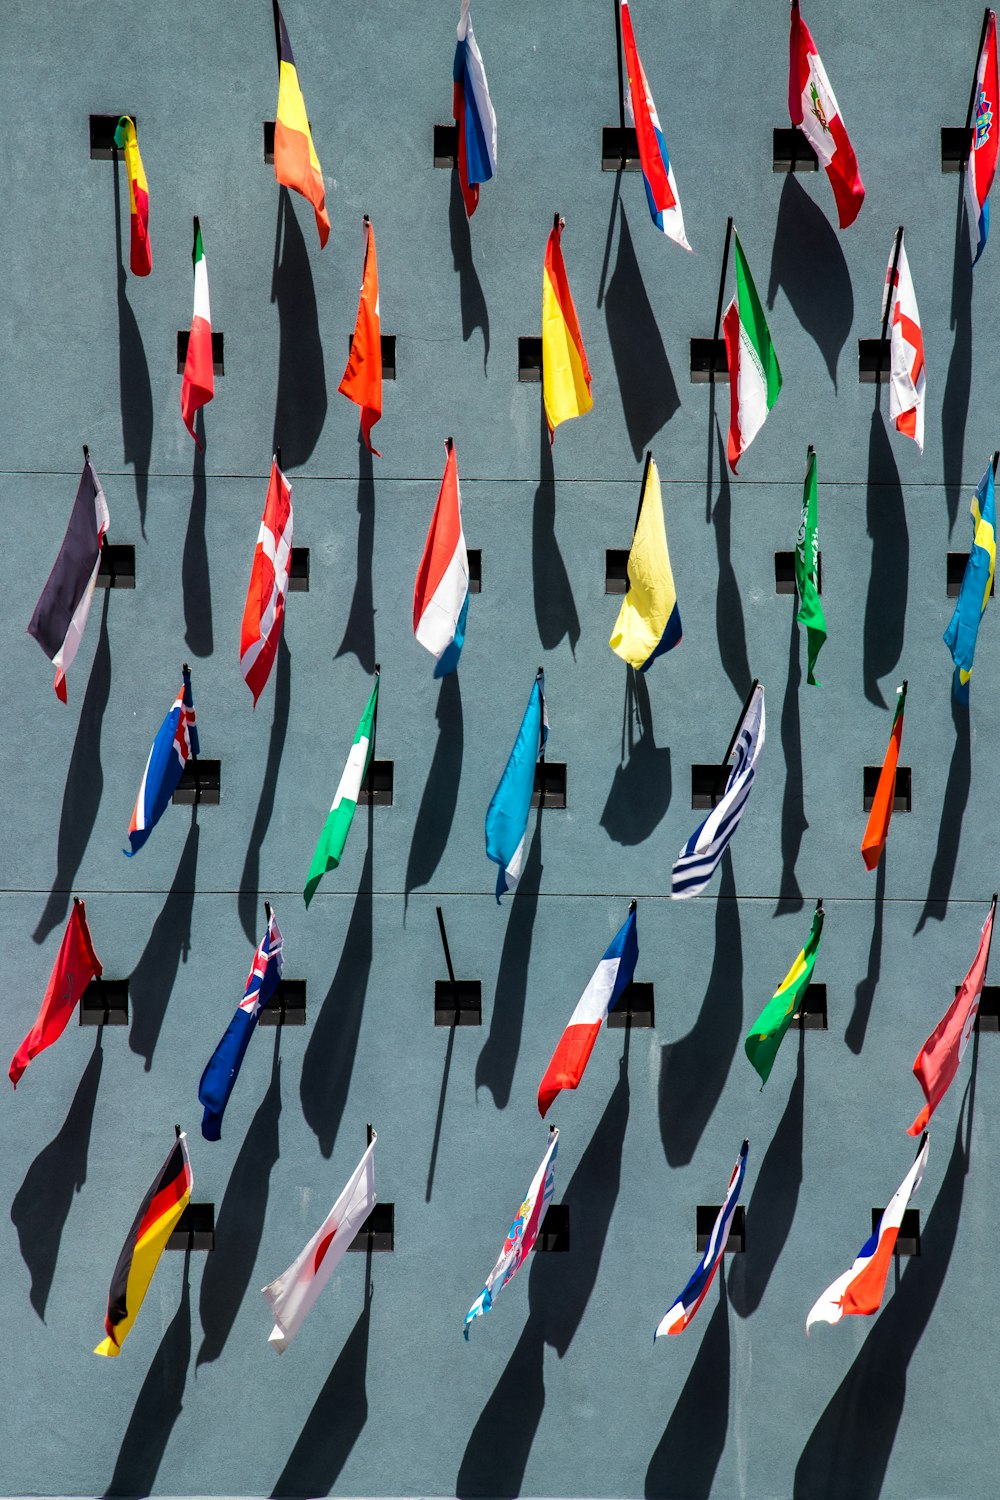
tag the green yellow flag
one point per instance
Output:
(766, 1034)
(338, 822)
(807, 572)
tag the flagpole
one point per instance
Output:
(722, 291)
(975, 77)
(885, 317)
(996, 457)
(621, 80)
(447, 957)
(746, 704)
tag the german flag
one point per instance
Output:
(144, 1244)
(296, 164)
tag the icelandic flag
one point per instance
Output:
(977, 583)
(224, 1065)
(441, 592)
(611, 979)
(983, 142)
(657, 173)
(522, 1234)
(507, 814)
(473, 110)
(176, 742)
(677, 1317)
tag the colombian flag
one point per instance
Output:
(141, 251)
(877, 827)
(296, 164)
(565, 372)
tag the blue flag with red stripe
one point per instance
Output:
(224, 1065)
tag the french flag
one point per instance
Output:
(441, 592)
(657, 173)
(677, 1317)
(611, 979)
(176, 741)
(473, 110)
(984, 143)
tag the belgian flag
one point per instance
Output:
(296, 164)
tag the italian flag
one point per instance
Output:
(768, 1031)
(198, 385)
(338, 822)
(754, 375)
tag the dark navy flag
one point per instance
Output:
(224, 1065)
(61, 612)
(176, 741)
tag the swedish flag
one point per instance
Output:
(960, 637)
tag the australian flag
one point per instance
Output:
(224, 1065)
(176, 741)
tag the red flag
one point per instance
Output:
(75, 966)
(265, 607)
(877, 827)
(813, 107)
(362, 382)
(198, 385)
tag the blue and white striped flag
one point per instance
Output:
(697, 861)
(224, 1065)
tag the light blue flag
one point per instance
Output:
(960, 637)
(507, 814)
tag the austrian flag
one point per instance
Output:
(265, 607)
(813, 107)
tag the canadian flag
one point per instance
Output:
(907, 377)
(812, 106)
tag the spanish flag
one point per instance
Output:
(296, 164)
(144, 1244)
(565, 372)
(140, 251)
(362, 382)
(877, 828)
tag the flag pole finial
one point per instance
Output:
(185, 669)
(86, 455)
(267, 910)
(557, 221)
(178, 1132)
(277, 456)
(370, 1132)
(996, 460)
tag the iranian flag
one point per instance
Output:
(198, 385)
(338, 822)
(754, 375)
(812, 106)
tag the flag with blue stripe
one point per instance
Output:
(176, 742)
(474, 114)
(698, 860)
(507, 814)
(678, 1316)
(224, 1065)
(977, 584)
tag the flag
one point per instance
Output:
(907, 376)
(198, 384)
(657, 173)
(982, 163)
(977, 584)
(938, 1060)
(649, 622)
(522, 1234)
(814, 109)
(472, 108)
(145, 1243)
(441, 591)
(565, 372)
(507, 814)
(61, 612)
(860, 1289)
(768, 1031)
(293, 1293)
(807, 572)
(610, 980)
(140, 250)
(224, 1065)
(338, 819)
(678, 1316)
(176, 742)
(75, 966)
(296, 164)
(754, 375)
(362, 382)
(877, 827)
(264, 611)
(696, 863)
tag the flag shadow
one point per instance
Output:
(641, 787)
(555, 607)
(300, 402)
(440, 796)
(958, 382)
(196, 584)
(645, 380)
(685, 1461)
(248, 900)
(497, 1452)
(956, 797)
(793, 812)
(808, 265)
(730, 626)
(475, 313)
(885, 607)
(497, 1061)
(135, 394)
(359, 633)
(152, 980)
(864, 994)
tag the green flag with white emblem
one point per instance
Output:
(807, 571)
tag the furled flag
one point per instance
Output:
(807, 571)
(198, 384)
(814, 109)
(609, 982)
(224, 1065)
(657, 173)
(144, 1244)
(293, 1293)
(472, 108)
(860, 1289)
(877, 827)
(362, 382)
(176, 742)
(696, 863)
(296, 164)
(907, 375)
(522, 1234)
(754, 375)
(768, 1031)
(977, 585)
(441, 592)
(938, 1060)
(338, 819)
(677, 1317)
(565, 372)
(649, 622)
(61, 612)
(75, 966)
(140, 250)
(982, 163)
(507, 814)
(264, 611)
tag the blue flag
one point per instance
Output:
(176, 742)
(224, 1065)
(507, 814)
(960, 637)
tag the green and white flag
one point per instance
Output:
(768, 1031)
(754, 375)
(807, 571)
(338, 822)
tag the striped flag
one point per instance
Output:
(441, 591)
(223, 1067)
(61, 612)
(565, 372)
(522, 1234)
(977, 585)
(75, 966)
(907, 374)
(697, 861)
(264, 611)
(813, 107)
(768, 1031)
(649, 622)
(362, 381)
(338, 820)
(175, 743)
(472, 108)
(657, 173)
(880, 816)
(198, 384)
(678, 1316)
(983, 144)
(140, 250)
(754, 374)
(296, 164)
(507, 814)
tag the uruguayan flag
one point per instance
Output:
(507, 814)
(698, 859)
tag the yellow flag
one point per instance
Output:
(649, 622)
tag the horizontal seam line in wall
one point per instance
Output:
(355, 478)
(275, 891)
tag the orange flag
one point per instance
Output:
(362, 382)
(877, 829)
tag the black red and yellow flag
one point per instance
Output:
(296, 164)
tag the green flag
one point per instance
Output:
(807, 572)
(338, 822)
(766, 1034)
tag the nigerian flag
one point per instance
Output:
(338, 823)
(807, 571)
(767, 1032)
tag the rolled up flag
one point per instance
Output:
(977, 586)
(264, 611)
(699, 859)
(223, 1067)
(175, 743)
(768, 1031)
(657, 173)
(983, 145)
(507, 814)
(813, 107)
(474, 115)
(75, 966)
(296, 164)
(62, 609)
(649, 621)
(140, 249)
(565, 371)
(880, 816)
(362, 380)
(338, 820)
(679, 1314)
(522, 1234)
(198, 383)
(441, 590)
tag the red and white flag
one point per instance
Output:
(265, 607)
(362, 382)
(198, 385)
(907, 377)
(812, 106)
(75, 966)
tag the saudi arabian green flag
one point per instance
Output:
(766, 1034)
(338, 823)
(807, 572)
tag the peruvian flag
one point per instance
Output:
(75, 966)
(907, 376)
(198, 385)
(611, 979)
(441, 592)
(362, 382)
(983, 145)
(264, 611)
(812, 106)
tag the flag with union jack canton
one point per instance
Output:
(224, 1065)
(176, 742)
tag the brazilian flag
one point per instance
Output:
(766, 1034)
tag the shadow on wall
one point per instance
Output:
(641, 788)
(555, 608)
(248, 901)
(958, 383)
(885, 608)
(475, 313)
(300, 403)
(864, 994)
(359, 635)
(793, 810)
(497, 1061)
(440, 796)
(808, 265)
(152, 980)
(687, 1456)
(135, 394)
(645, 379)
(956, 797)
(195, 581)
(729, 623)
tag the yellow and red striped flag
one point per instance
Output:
(565, 372)
(296, 164)
(140, 250)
